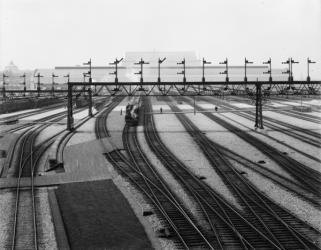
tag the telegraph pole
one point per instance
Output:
(245, 63)
(308, 62)
(269, 62)
(116, 62)
(226, 70)
(141, 63)
(24, 84)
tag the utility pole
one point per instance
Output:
(116, 62)
(308, 62)
(24, 84)
(203, 71)
(225, 72)
(245, 63)
(269, 62)
(141, 63)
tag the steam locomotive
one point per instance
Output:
(132, 110)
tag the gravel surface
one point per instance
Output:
(48, 132)
(84, 133)
(174, 136)
(17, 113)
(134, 196)
(221, 136)
(46, 236)
(260, 134)
(6, 205)
(286, 199)
(293, 120)
(241, 105)
(317, 114)
(45, 227)
(42, 115)
(283, 197)
(171, 181)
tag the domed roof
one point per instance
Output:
(11, 67)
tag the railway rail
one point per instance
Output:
(261, 227)
(152, 187)
(310, 178)
(305, 135)
(24, 233)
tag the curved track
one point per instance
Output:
(263, 229)
(308, 177)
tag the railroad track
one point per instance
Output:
(313, 138)
(181, 225)
(293, 113)
(30, 113)
(280, 180)
(24, 230)
(296, 114)
(180, 221)
(24, 227)
(27, 149)
(310, 178)
(232, 230)
(305, 135)
(101, 122)
(283, 228)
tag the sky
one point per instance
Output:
(48, 33)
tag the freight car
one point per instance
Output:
(132, 110)
(81, 102)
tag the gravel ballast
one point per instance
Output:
(171, 181)
(178, 141)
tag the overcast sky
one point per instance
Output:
(46, 33)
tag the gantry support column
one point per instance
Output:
(70, 119)
(258, 107)
(90, 112)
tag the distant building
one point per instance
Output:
(127, 69)
(11, 68)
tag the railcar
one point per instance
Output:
(132, 111)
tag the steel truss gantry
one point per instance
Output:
(255, 90)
